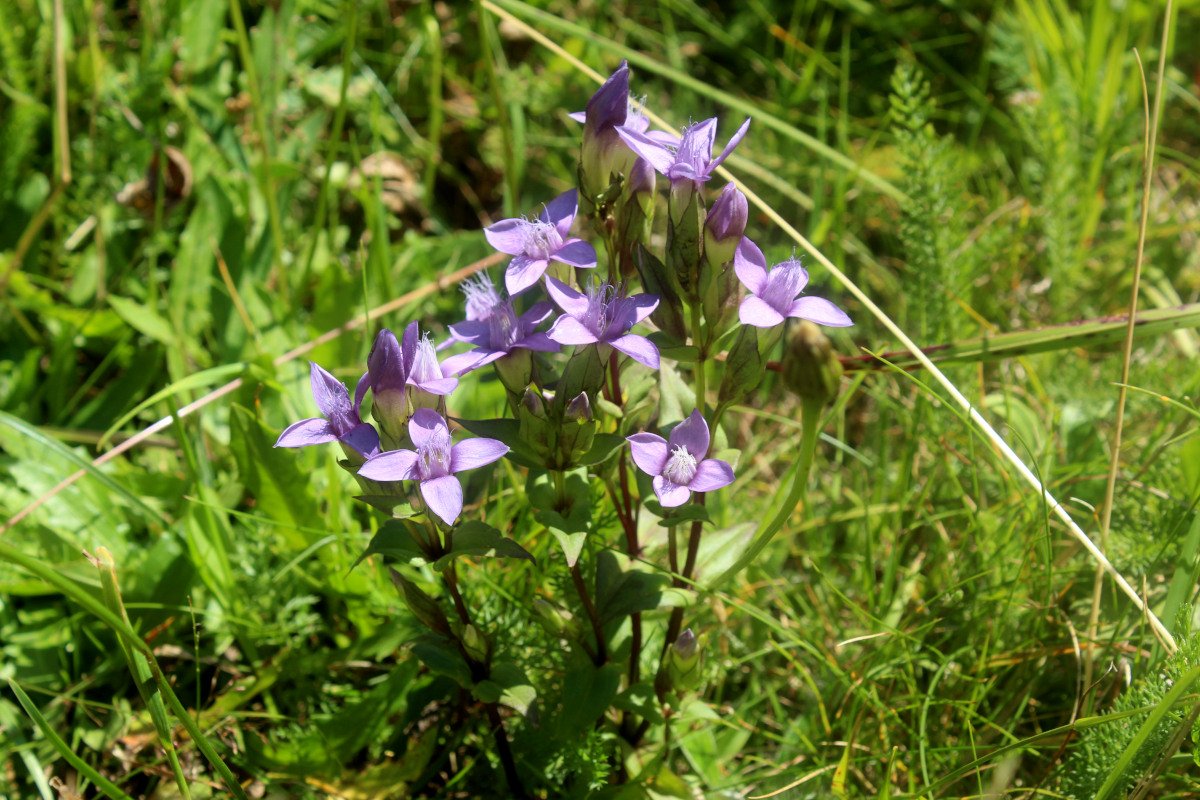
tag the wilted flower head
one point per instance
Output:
(678, 464)
(340, 424)
(773, 295)
(603, 316)
(688, 158)
(534, 244)
(434, 463)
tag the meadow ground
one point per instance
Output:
(925, 625)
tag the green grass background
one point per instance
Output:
(921, 627)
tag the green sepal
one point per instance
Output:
(743, 369)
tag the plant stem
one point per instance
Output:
(701, 375)
(601, 654)
(504, 751)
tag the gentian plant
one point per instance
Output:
(593, 445)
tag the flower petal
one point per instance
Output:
(649, 451)
(578, 116)
(306, 432)
(330, 394)
(734, 141)
(566, 298)
(394, 465)
(711, 475)
(663, 138)
(639, 348)
(444, 497)
(539, 342)
(820, 311)
(759, 313)
(385, 364)
(473, 453)
(363, 438)
(360, 391)
(538, 313)
(471, 331)
(568, 330)
(560, 212)
(408, 346)
(576, 253)
(463, 362)
(750, 265)
(659, 156)
(427, 427)
(670, 494)
(438, 386)
(608, 105)
(523, 272)
(508, 235)
(692, 434)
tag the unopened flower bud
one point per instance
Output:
(685, 239)
(683, 662)
(533, 403)
(475, 643)
(724, 227)
(810, 367)
(579, 409)
(557, 621)
(603, 153)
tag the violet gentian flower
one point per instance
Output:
(603, 316)
(678, 464)
(340, 424)
(534, 244)
(687, 159)
(499, 333)
(434, 463)
(773, 295)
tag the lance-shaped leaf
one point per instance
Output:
(396, 540)
(480, 540)
(743, 368)
(424, 607)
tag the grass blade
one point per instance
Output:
(109, 788)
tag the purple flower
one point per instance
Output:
(341, 422)
(603, 316)
(678, 464)
(499, 333)
(688, 158)
(774, 294)
(434, 463)
(534, 244)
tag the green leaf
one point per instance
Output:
(640, 699)
(396, 541)
(508, 685)
(442, 658)
(398, 507)
(480, 540)
(273, 476)
(623, 588)
(144, 319)
(604, 445)
(572, 528)
(587, 691)
(678, 515)
(743, 369)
